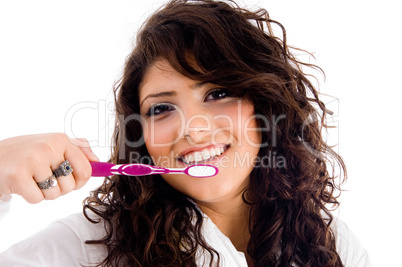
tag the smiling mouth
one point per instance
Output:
(203, 156)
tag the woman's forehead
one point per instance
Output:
(161, 71)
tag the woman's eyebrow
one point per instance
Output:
(165, 93)
(199, 85)
(171, 93)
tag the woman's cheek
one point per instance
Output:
(160, 135)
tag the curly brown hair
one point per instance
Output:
(147, 221)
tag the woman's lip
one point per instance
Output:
(195, 149)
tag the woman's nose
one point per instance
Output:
(198, 127)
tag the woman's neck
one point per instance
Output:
(231, 218)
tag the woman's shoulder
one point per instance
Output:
(63, 241)
(82, 227)
(348, 246)
(85, 230)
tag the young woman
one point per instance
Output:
(207, 82)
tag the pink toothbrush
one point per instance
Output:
(100, 169)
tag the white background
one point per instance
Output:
(57, 57)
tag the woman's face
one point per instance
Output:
(187, 122)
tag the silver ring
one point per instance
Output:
(48, 183)
(64, 169)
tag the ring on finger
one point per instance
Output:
(63, 170)
(48, 183)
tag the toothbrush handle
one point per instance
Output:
(136, 169)
(101, 169)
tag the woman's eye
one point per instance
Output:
(159, 109)
(217, 94)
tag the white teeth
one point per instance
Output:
(213, 152)
(202, 155)
(205, 154)
(197, 156)
(189, 158)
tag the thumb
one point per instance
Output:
(84, 146)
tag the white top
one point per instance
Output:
(63, 244)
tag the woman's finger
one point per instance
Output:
(29, 162)
(46, 181)
(30, 191)
(23, 184)
(81, 168)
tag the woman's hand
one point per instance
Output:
(27, 160)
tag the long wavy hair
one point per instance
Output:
(147, 221)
